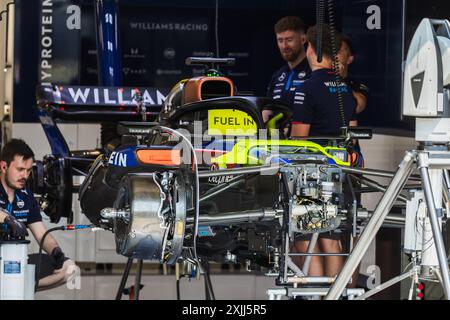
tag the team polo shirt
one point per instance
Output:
(316, 104)
(285, 82)
(24, 207)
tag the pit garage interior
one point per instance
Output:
(45, 43)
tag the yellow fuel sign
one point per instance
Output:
(231, 122)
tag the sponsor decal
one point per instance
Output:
(128, 71)
(118, 159)
(162, 72)
(134, 53)
(46, 43)
(76, 95)
(220, 180)
(169, 53)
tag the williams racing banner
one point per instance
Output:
(99, 96)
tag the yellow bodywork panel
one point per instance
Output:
(240, 154)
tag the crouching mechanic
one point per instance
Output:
(19, 210)
(317, 113)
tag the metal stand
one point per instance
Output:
(279, 293)
(311, 247)
(424, 160)
(178, 289)
(137, 285)
(123, 282)
(388, 284)
(209, 292)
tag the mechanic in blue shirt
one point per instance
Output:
(317, 113)
(316, 107)
(19, 210)
(291, 39)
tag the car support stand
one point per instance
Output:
(125, 275)
(426, 161)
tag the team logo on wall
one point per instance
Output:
(169, 53)
(172, 72)
(168, 26)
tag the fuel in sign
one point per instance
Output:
(231, 123)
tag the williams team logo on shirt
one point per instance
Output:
(333, 87)
(302, 75)
(20, 204)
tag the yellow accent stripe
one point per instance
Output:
(240, 153)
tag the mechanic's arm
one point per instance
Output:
(361, 100)
(361, 93)
(300, 130)
(3, 215)
(266, 114)
(38, 229)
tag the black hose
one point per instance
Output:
(320, 16)
(41, 246)
(217, 28)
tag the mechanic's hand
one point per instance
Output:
(59, 257)
(17, 229)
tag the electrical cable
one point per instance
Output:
(335, 65)
(320, 16)
(217, 29)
